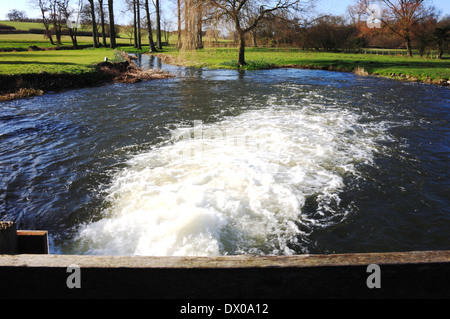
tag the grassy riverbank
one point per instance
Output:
(24, 74)
(81, 61)
(54, 61)
(398, 67)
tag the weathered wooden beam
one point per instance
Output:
(424, 274)
(220, 262)
(32, 242)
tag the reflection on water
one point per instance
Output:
(216, 162)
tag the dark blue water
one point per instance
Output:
(65, 164)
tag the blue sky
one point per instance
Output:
(336, 7)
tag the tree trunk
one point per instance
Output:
(241, 60)
(112, 31)
(186, 41)
(46, 24)
(57, 32)
(56, 28)
(192, 25)
(440, 52)
(408, 46)
(94, 24)
(158, 27)
(138, 11)
(73, 37)
(135, 38)
(102, 19)
(149, 27)
(199, 26)
(49, 36)
(255, 44)
(179, 24)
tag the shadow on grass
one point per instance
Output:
(37, 62)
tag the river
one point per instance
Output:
(226, 162)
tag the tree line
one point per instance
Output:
(413, 23)
(57, 16)
(396, 24)
(406, 24)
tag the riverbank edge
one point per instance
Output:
(18, 86)
(169, 59)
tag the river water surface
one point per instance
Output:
(222, 162)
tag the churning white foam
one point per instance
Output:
(237, 186)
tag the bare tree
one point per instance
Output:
(358, 11)
(138, 16)
(401, 16)
(442, 36)
(94, 23)
(58, 12)
(167, 26)
(56, 17)
(423, 35)
(246, 14)
(129, 31)
(112, 31)
(149, 28)
(44, 6)
(135, 6)
(72, 17)
(188, 41)
(158, 25)
(193, 11)
(16, 15)
(179, 43)
(135, 29)
(102, 19)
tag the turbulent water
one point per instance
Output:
(216, 162)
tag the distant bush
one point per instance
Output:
(6, 27)
(36, 31)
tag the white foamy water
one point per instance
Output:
(237, 186)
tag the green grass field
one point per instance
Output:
(60, 61)
(23, 26)
(383, 65)
(80, 61)
(25, 40)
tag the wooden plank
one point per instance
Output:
(32, 242)
(227, 262)
(403, 275)
(32, 233)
